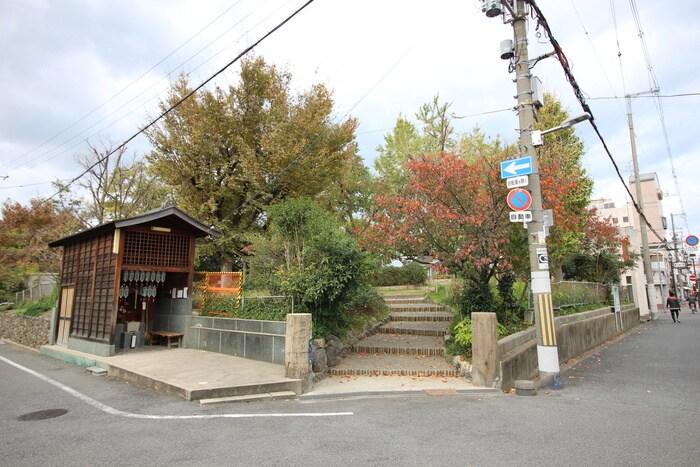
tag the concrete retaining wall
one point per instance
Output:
(576, 334)
(257, 340)
(31, 331)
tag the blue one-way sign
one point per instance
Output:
(516, 167)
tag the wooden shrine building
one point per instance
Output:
(126, 281)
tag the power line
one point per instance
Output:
(655, 96)
(542, 21)
(181, 100)
(659, 105)
(188, 95)
(180, 66)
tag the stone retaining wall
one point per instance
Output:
(31, 331)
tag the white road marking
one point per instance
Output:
(120, 413)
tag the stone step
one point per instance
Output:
(421, 316)
(408, 308)
(416, 328)
(399, 365)
(401, 344)
(404, 300)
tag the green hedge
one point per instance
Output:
(411, 274)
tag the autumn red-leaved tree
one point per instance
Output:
(24, 235)
(604, 254)
(451, 208)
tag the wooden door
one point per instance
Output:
(64, 316)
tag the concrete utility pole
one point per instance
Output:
(646, 254)
(547, 352)
(675, 257)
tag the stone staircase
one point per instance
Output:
(411, 343)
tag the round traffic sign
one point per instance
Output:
(519, 199)
(692, 278)
(691, 240)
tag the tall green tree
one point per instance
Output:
(433, 133)
(403, 144)
(230, 153)
(349, 196)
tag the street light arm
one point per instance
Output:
(537, 134)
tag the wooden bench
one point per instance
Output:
(173, 339)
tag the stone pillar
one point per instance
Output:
(297, 361)
(485, 361)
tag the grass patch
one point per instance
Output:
(573, 309)
(39, 307)
(442, 295)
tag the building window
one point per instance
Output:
(625, 219)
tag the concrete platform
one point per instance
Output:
(218, 378)
(188, 373)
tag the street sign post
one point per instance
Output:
(690, 240)
(516, 167)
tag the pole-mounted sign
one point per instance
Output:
(516, 167)
(519, 199)
(691, 240)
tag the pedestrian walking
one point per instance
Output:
(674, 305)
(692, 303)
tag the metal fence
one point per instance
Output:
(567, 293)
(34, 293)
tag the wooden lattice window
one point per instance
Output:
(156, 249)
(70, 265)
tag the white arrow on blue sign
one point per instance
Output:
(516, 167)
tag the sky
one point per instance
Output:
(79, 71)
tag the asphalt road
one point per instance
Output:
(633, 401)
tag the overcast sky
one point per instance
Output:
(79, 70)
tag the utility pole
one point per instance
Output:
(646, 254)
(547, 352)
(673, 256)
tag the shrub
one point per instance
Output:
(266, 308)
(41, 306)
(411, 274)
(364, 301)
(476, 296)
(461, 341)
(216, 304)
